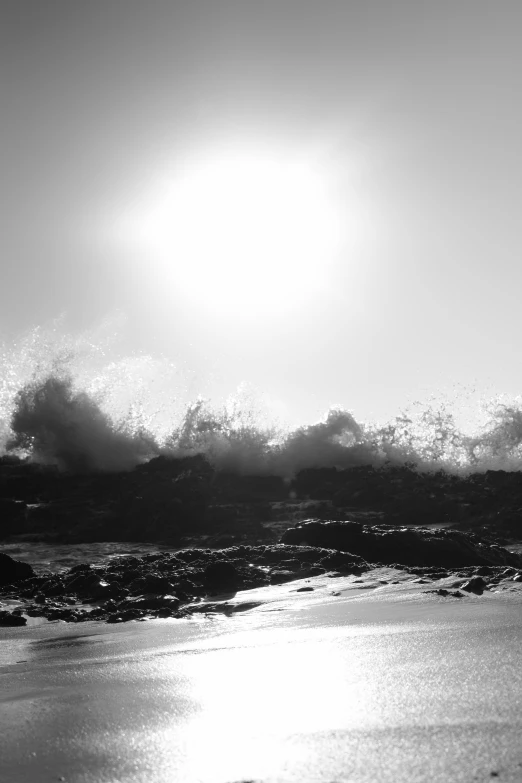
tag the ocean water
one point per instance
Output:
(58, 558)
(71, 402)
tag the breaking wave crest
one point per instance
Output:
(63, 402)
(54, 423)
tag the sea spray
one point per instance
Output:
(74, 402)
(54, 423)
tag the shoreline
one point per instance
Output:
(298, 686)
(209, 583)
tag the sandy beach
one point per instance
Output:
(356, 679)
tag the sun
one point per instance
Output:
(243, 230)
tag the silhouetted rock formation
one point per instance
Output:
(476, 584)
(170, 585)
(172, 500)
(11, 619)
(13, 570)
(182, 583)
(221, 575)
(421, 547)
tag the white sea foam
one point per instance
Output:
(72, 402)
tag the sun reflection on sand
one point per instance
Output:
(373, 691)
(252, 700)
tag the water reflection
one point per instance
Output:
(49, 556)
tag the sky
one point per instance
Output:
(372, 256)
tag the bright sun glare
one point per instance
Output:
(242, 230)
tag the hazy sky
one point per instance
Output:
(411, 112)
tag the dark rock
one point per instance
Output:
(151, 583)
(127, 577)
(182, 497)
(33, 611)
(150, 602)
(292, 564)
(410, 546)
(62, 614)
(445, 593)
(166, 611)
(132, 614)
(484, 571)
(11, 619)
(13, 570)
(184, 588)
(53, 587)
(475, 585)
(221, 575)
(80, 568)
(162, 582)
(342, 561)
(102, 591)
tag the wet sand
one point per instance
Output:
(352, 681)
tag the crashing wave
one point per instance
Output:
(63, 403)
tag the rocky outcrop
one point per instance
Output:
(221, 575)
(476, 584)
(169, 500)
(13, 570)
(168, 585)
(408, 546)
(11, 619)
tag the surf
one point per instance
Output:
(73, 402)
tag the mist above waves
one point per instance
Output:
(64, 401)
